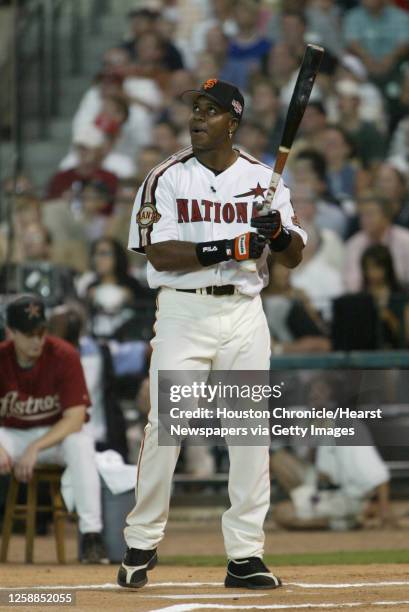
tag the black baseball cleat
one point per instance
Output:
(250, 573)
(93, 549)
(134, 568)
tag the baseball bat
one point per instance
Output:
(298, 103)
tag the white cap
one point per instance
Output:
(346, 87)
(399, 163)
(89, 136)
(354, 65)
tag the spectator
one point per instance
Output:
(36, 243)
(376, 228)
(379, 35)
(165, 135)
(148, 158)
(181, 81)
(207, 67)
(281, 69)
(25, 209)
(337, 148)
(177, 114)
(150, 59)
(120, 307)
(138, 91)
(311, 215)
(145, 21)
(253, 139)
(399, 147)
(399, 105)
(265, 109)
(391, 184)
(216, 61)
(318, 275)
(44, 412)
(89, 207)
(379, 280)
(369, 143)
(309, 169)
(324, 25)
(293, 30)
(312, 127)
(18, 186)
(248, 48)
(103, 136)
(351, 68)
(90, 151)
(143, 96)
(295, 326)
(222, 15)
(118, 224)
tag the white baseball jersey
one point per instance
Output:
(181, 199)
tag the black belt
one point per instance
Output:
(213, 290)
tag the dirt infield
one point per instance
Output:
(182, 589)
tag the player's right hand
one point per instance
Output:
(6, 463)
(246, 246)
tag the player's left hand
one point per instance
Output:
(268, 225)
(23, 468)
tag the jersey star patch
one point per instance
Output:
(257, 192)
(147, 216)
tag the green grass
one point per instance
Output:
(360, 557)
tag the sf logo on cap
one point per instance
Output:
(33, 311)
(209, 83)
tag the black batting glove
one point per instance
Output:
(271, 228)
(246, 246)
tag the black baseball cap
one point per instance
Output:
(225, 94)
(26, 313)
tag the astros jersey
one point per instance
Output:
(181, 199)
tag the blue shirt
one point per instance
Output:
(378, 34)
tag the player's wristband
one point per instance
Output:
(282, 241)
(212, 253)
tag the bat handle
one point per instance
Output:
(250, 265)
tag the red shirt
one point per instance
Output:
(38, 396)
(62, 181)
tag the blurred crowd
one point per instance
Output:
(348, 170)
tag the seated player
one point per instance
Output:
(333, 492)
(43, 404)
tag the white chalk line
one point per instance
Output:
(206, 596)
(155, 585)
(305, 606)
(347, 585)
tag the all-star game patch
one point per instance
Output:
(147, 215)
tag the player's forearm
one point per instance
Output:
(187, 256)
(173, 256)
(292, 256)
(68, 424)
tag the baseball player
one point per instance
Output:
(43, 403)
(195, 219)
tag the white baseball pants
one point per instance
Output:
(203, 332)
(76, 451)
